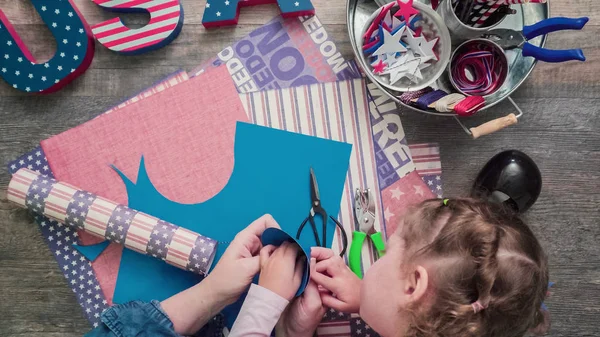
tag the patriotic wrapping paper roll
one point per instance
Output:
(116, 223)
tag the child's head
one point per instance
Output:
(460, 268)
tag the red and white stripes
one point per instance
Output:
(19, 185)
(165, 17)
(181, 246)
(58, 201)
(139, 233)
(98, 216)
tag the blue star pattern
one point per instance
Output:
(60, 239)
(226, 12)
(331, 315)
(77, 210)
(434, 182)
(34, 160)
(74, 50)
(358, 327)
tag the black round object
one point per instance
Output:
(510, 177)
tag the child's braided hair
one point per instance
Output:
(490, 273)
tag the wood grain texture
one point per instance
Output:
(559, 131)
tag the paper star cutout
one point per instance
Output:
(406, 10)
(407, 66)
(391, 43)
(416, 43)
(379, 67)
(427, 47)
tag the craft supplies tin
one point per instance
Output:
(460, 31)
(478, 67)
(360, 11)
(431, 28)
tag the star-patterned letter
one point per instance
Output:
(226, 12)
(20, 69)
(166, 21)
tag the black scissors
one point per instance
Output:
(316, 208)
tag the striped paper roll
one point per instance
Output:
(117, 223)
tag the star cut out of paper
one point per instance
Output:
(391, 43)
(406, 10)
(379, 67)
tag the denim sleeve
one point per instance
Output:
(134, 319)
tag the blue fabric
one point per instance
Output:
(271, 175)
(135, 318)
(141, 319)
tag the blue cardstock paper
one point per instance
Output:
(91, 252)
(270, 175)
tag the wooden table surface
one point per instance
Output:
(559, 131)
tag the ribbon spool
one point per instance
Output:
(478, 67)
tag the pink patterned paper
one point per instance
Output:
(168, 158)
(407, 192)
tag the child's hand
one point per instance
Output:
(342, 284)
(304, 314)
(280, 270)
(240, 262)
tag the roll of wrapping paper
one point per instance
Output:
(116, 223)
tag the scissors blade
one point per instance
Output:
(314, 189)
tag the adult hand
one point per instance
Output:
(341, 284)
(280, 269)
(304, 314)
(240, 262)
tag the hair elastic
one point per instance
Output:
(446, 202)
(477, 306)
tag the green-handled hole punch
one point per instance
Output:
(364, 211)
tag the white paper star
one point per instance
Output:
(391, 43)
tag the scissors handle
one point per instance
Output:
(377, 239)
(358, 238)
(554, 56)
(553, 25)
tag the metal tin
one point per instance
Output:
(458, 30)
(491, 46)
(359, 11)
(432, 25)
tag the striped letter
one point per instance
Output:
(74, 49)
(166, 21)
(226, 12)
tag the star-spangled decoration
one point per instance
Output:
(379, 67)
(63, 27)
(391, 43)
(224, 13)
(359, 328)
(406, 10)
(77, 269)
(396, 193)
(331, 315)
